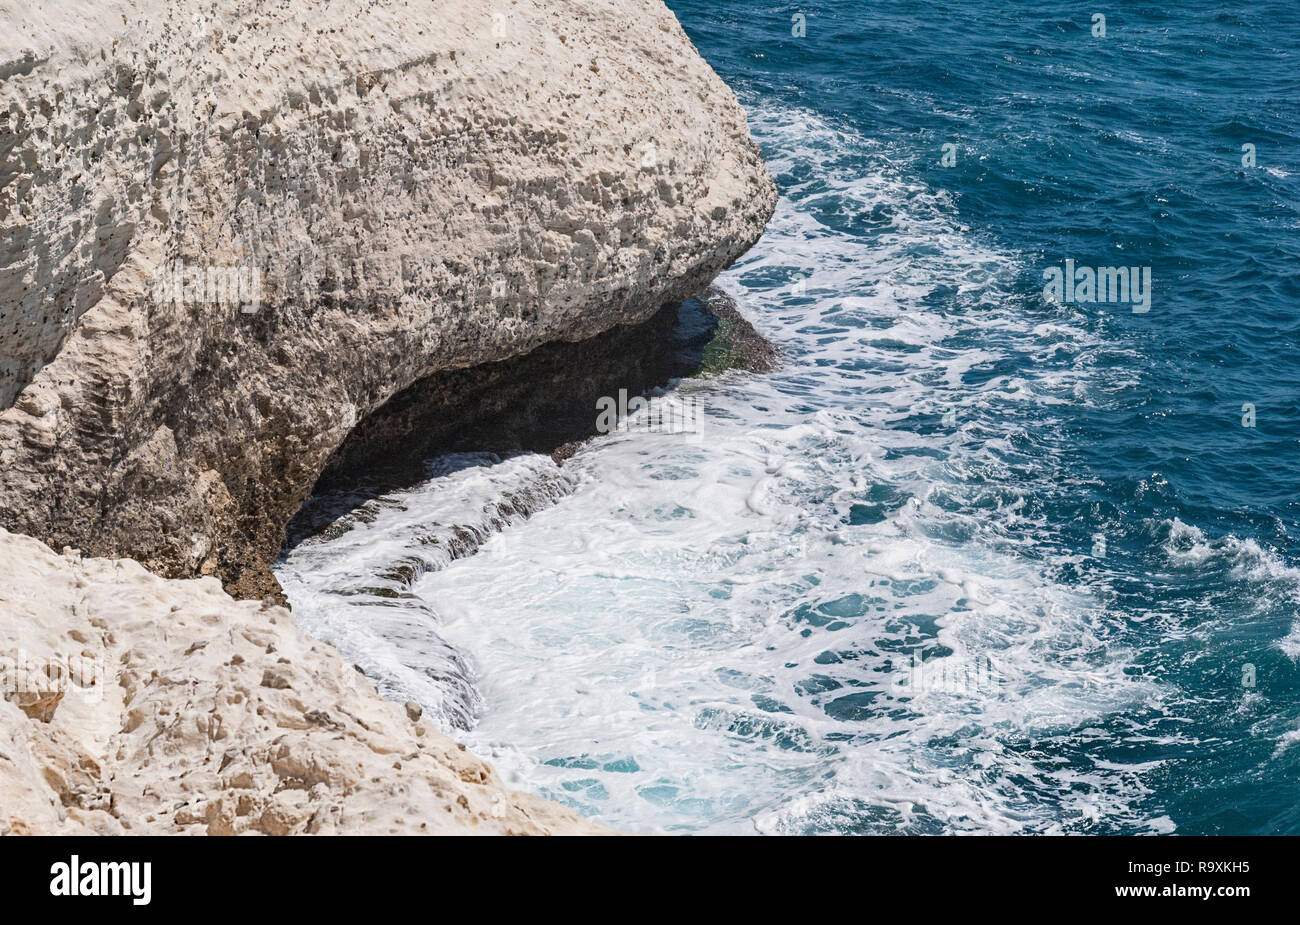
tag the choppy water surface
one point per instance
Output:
(970, 561)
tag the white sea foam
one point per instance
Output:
(350, 585)
(713, 636)
(1273, 583)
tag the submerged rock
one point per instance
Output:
(232, 233)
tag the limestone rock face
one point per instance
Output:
(167, 707)
(231, 231)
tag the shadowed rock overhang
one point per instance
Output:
(231, 234)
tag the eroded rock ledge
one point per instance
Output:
(134, 704)
(417, 187)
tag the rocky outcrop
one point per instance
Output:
(234, 231)
(134, 704)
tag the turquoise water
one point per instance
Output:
(972, 560)
(1123, 149)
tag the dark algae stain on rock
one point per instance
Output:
(732, 341)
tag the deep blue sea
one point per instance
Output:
(973, 559)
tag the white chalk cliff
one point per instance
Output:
(407, 188)
(232, 232)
